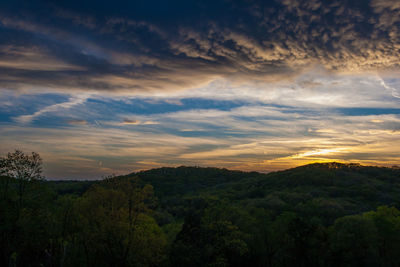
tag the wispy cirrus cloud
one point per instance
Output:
(73, 101)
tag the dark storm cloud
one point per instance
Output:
(167, 45)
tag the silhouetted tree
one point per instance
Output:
(24, 168)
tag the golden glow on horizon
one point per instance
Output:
(319, 152)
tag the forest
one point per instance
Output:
(321, 214)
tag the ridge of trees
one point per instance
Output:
(323, 214)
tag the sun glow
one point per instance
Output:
(319, 152)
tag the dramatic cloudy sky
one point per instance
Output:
(101, 87)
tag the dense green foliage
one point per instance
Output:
(315, 215)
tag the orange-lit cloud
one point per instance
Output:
(77, 122)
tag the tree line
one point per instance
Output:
(133, 221)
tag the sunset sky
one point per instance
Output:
(99, 88)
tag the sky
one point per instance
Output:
(111, 87)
